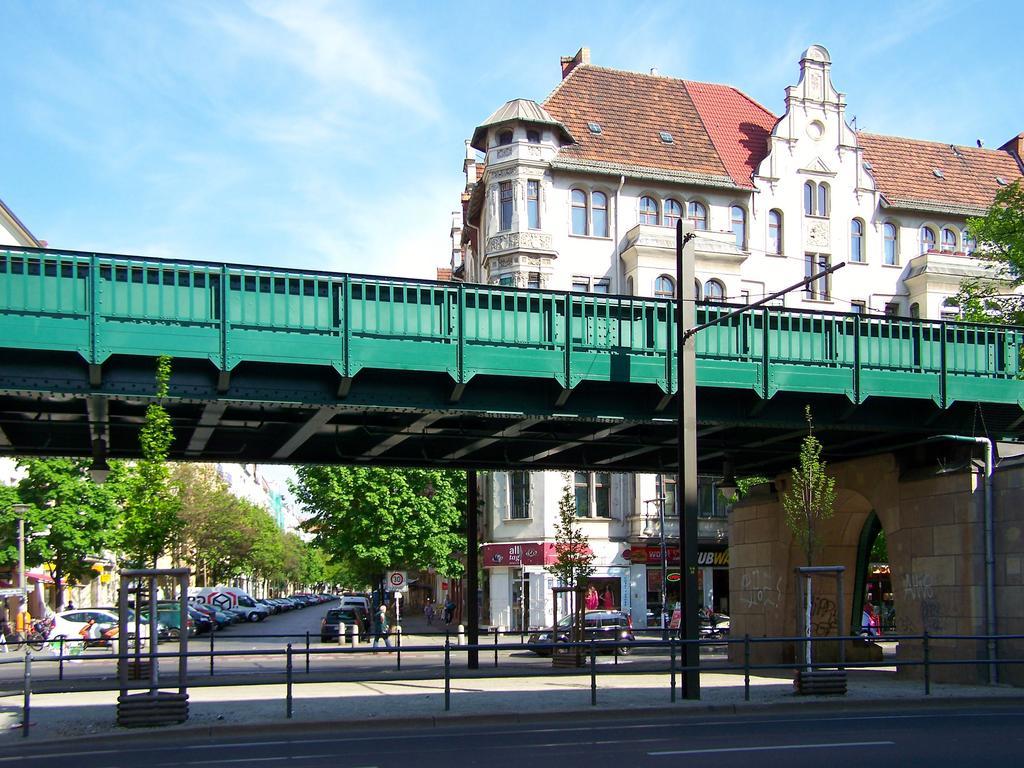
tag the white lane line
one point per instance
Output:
(771, 748)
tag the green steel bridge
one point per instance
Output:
(275, 365)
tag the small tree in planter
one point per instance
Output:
(809, 500)
(574, 560)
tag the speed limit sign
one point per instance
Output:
(397, 581)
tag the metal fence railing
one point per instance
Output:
(654, 648)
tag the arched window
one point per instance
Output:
(505, 137)
(673, 212)
(648, 210)
(664, 287)
(891, 252)
(823, 202)
(629, 286)
(915, 310)
(775, 233)
(599, 213)
(714, 290)
(697, 294)
(857, 240)
(739, 225)
(927, 239)
(579, 212)
(698, 214)
(948, 240)
(809, 198)
(969, 243)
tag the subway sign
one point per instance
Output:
(652, 556)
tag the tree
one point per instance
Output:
(1000, 235)
(812, 494)
(574, 559)
(377, 518)
(150, 520)
(35, 548)
(76, 514)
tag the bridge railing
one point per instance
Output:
(101, 305)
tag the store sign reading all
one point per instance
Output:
(517, 555)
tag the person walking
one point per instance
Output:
(449, 610)
(381, 627)
(428, 611)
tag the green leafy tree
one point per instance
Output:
(811, 496)
(150, 521)
(35, 547)
(574, 559)
(378, 518)
(76, 514)
(1000, 235)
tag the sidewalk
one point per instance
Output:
(392, 701)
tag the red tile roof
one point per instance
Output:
(444, 274)
(904, 171)
(739, 127)
(632, 109)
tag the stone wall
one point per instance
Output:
(933, 524)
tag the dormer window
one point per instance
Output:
(505, 137)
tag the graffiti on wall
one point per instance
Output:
(760, 590)
(920, 601)
(917, 586)
(823, 616)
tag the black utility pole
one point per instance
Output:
(686, 437)
(472, 566)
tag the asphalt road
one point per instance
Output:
(903, 737)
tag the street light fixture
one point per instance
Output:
(20, 510)
(727, 485)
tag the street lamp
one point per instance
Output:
(660, 501)
(20, 510)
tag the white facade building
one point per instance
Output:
(582, 193)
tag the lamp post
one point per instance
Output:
(686, 435)
(20, 510)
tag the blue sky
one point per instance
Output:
(330, 134)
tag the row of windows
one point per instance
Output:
(590, 217)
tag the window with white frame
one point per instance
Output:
(697, 213)
(858, 307)
(673, 212)
(580, 284)
(665, 488)
(519, 495)
(817, 290)
(857, 241)
(948, 240)
(927, 239)
(714, 290)
(774, 233)
(593, 494)
(816, 199)
(602, 285)
(599, 214)
(580, 217)
(533, 203)
(890, 244)
(664, 287)
(533, 280)
(969, 243)
(738, 216)
(505, 195)
(648, 210)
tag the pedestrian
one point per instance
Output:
(608, 599)
(449, 610)
(70, 606)
(590, 600)
(381, 627)
(867, 619)
(876, 621)
(428, 611)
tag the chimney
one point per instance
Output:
(1015, 147)
(469, 165)
(570, 63)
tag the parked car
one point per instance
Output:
(332, 620)
(202, 621)
(347, 601)
(219, 618)
(609, 628)
(170, 614)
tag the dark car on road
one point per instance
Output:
(333, 619)
(609, 628)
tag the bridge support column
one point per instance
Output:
(472, 569)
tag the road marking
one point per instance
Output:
(771, 748)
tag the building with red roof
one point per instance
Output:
(582, 192)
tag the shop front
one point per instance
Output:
(650, 580)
